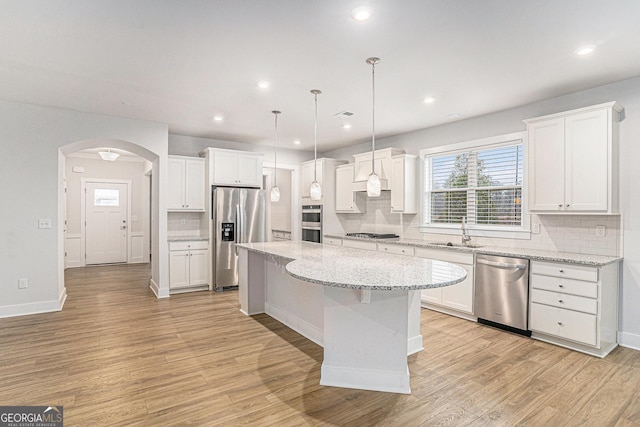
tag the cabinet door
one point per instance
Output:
(194, 185)
(397, 185)
(225, 168)
(250, 170)
(460, 296)
(546, 165)
(431, 296)
(344, 194)
(198, 271)
(306, 180)
(176, 184)
(178, 269)
(586, 154)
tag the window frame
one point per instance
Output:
(476, 230)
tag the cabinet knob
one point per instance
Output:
(561, 286)
(560, 301)
(567, 205)
(560, 205)
(560, 323)
(561, 271)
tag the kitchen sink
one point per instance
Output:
(456, 245)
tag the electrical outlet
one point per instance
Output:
(23, 283)
(601, 230)
(183, 221)
(44, 223)
(536, 229)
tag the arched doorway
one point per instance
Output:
(157, 219)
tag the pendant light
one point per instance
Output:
(315, 191)
(373, 182)
(275, 191)
(109, 155)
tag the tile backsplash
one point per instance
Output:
(180, 224)
(564, 233)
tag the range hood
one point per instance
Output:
(359, 186)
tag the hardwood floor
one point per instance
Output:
(118, 356)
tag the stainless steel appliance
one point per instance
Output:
(238, 216)
(502, 292)
(312, 223)
(373, 235)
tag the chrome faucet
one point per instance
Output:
(466, 239)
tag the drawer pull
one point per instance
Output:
(560, 301)
(561, 271)
(560, 323)
(560, 205)
(561, 286)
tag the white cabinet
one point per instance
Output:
(574, 306)
(383, 164)
(573, 161)
(186, 184)
(332, 241)
(360, 244)
(188, 264)
(455, 299)
(234, 168)
(404, 184)
(396, 249)
(347, 201)
(325, 175)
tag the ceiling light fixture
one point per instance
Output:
(297, 142)
(346, 126)
(109, 155)
(453, 116)
(262, 84)
(585, 50)
(361, 13)
(429, 100)
(275, 191)
(316, 190)
(373, 182)
(218, 118)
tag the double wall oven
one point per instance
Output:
(312, 223)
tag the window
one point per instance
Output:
(106, 197)
(481, 181)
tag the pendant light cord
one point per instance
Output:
(315, 140)
(373, 118)
(275, 152)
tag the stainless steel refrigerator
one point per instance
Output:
(239, 215)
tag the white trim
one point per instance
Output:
(296, 323)
(159, 293)
(454, 230)
(34, 307)
(365, 379)
(629, 340)
(295, 193)
(83, 219)
(490, 142)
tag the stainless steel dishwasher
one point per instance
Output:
(502, 292)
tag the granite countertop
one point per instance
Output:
(359, 269)
(534, 254)
(186, 238)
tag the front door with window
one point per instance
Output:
(106, 222)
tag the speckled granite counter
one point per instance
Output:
(360, 269)
(186, 238)
(534, 254)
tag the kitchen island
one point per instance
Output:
(362, 307)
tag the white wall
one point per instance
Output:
(182, 145)
(31, 171)
(627, 93)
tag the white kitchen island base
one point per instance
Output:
(367, 321)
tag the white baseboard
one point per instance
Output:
(34, 307)
(629, 340)
(159, 293)
(365, 379)
(414, 345)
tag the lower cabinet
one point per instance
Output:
(574, 306)
(455, 299)
(188, 264)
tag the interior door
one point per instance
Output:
(106, 225)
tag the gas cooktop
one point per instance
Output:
(372, 235)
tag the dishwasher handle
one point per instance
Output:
(500, 264)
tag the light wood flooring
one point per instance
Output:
(118, 356)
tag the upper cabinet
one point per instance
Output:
(234, 168)
(347, 200)
(404, 184)
(324, 174)
(573, 161)
(186, 184)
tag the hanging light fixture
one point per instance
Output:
(315, 191)
(109, 155)
(275, 191)
(373, 182)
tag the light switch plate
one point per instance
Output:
(23, 283)
(44, 223)
(601, 230)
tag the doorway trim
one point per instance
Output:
(295, 195)
(83, 219)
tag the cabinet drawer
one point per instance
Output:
(360, 244)
(571, 302)
(445, 255)
(332, 241)
(395, 249)
(569, 271)
(566, 286)
(567, 324)
(192, 244)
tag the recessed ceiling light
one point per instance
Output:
(585, 50)
(454, 116)
(429, 99)
(218, 118)
(361, 13)
(297, 142)
(346, 126)
(263, 84)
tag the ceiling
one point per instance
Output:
(181, 62)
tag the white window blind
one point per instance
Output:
(483, 185)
